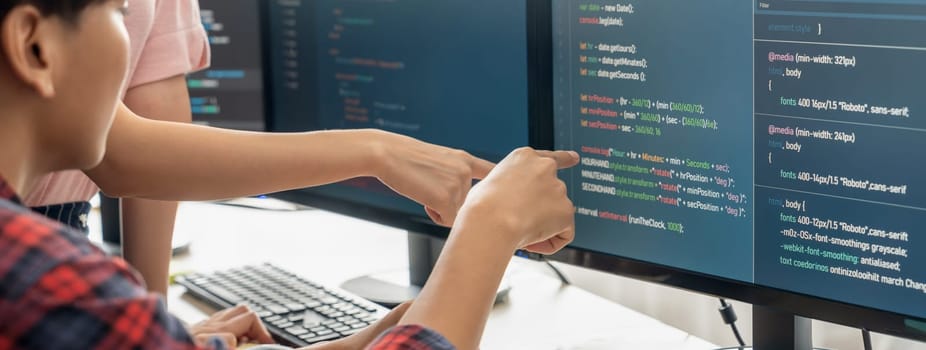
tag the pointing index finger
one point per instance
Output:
(564, 159)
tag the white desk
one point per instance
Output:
(327, 248)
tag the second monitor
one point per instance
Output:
(230, 93)
(448, 72)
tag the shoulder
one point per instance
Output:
(53, 279)
(38, 250)
(168, 40)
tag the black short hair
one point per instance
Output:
(67, 9)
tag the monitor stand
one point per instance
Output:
(773, 330)
(423, 251)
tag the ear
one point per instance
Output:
(27, 40)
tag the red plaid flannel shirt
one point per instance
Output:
(58, 291)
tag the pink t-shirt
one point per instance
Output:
(167, 39)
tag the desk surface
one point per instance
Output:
(330, 249)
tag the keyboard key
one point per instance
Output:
(308, 336)
(324, 308)
(336, 314)
(329, 322)
(277, 309)
(322, 338)
(272, 319)
(352, 312)
(318, 329)
(295, 307)
(352, 322)
(336, 325)
(225, 294)
(312, 319)
(329, 300)
(324, 332)
(296, 317)
(341, 329)
(312, 304)
(345, 318)
(286, 324)
(351, 331)
(369, 319)
(297, 330)
(264, 313)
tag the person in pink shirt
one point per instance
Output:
(148, 159)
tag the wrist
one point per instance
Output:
(481, 218)
(374, 145)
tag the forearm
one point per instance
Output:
(172, 161)
(148, 228)
(459, 295)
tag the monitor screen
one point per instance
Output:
(776, 143)
(447, 72)
(230, 94)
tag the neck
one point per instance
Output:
(18, 149)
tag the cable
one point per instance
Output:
(729, 317)
(560, 274)
(542, 258)
(866, 339)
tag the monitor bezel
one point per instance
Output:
(540, 33)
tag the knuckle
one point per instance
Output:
(523, 151)
(548, 165)
(568, 237)
(462, 154)
(463, 170)
(560, 187)
(568, 210)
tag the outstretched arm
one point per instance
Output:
(172, 161)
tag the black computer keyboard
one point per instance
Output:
(296, 311)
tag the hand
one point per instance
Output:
(527, 199)
(363, 338)
(437, 177)
(232, 325)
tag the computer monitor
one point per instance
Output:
(768, 151)
(230, 94)
(450, 72)
(424, 69)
